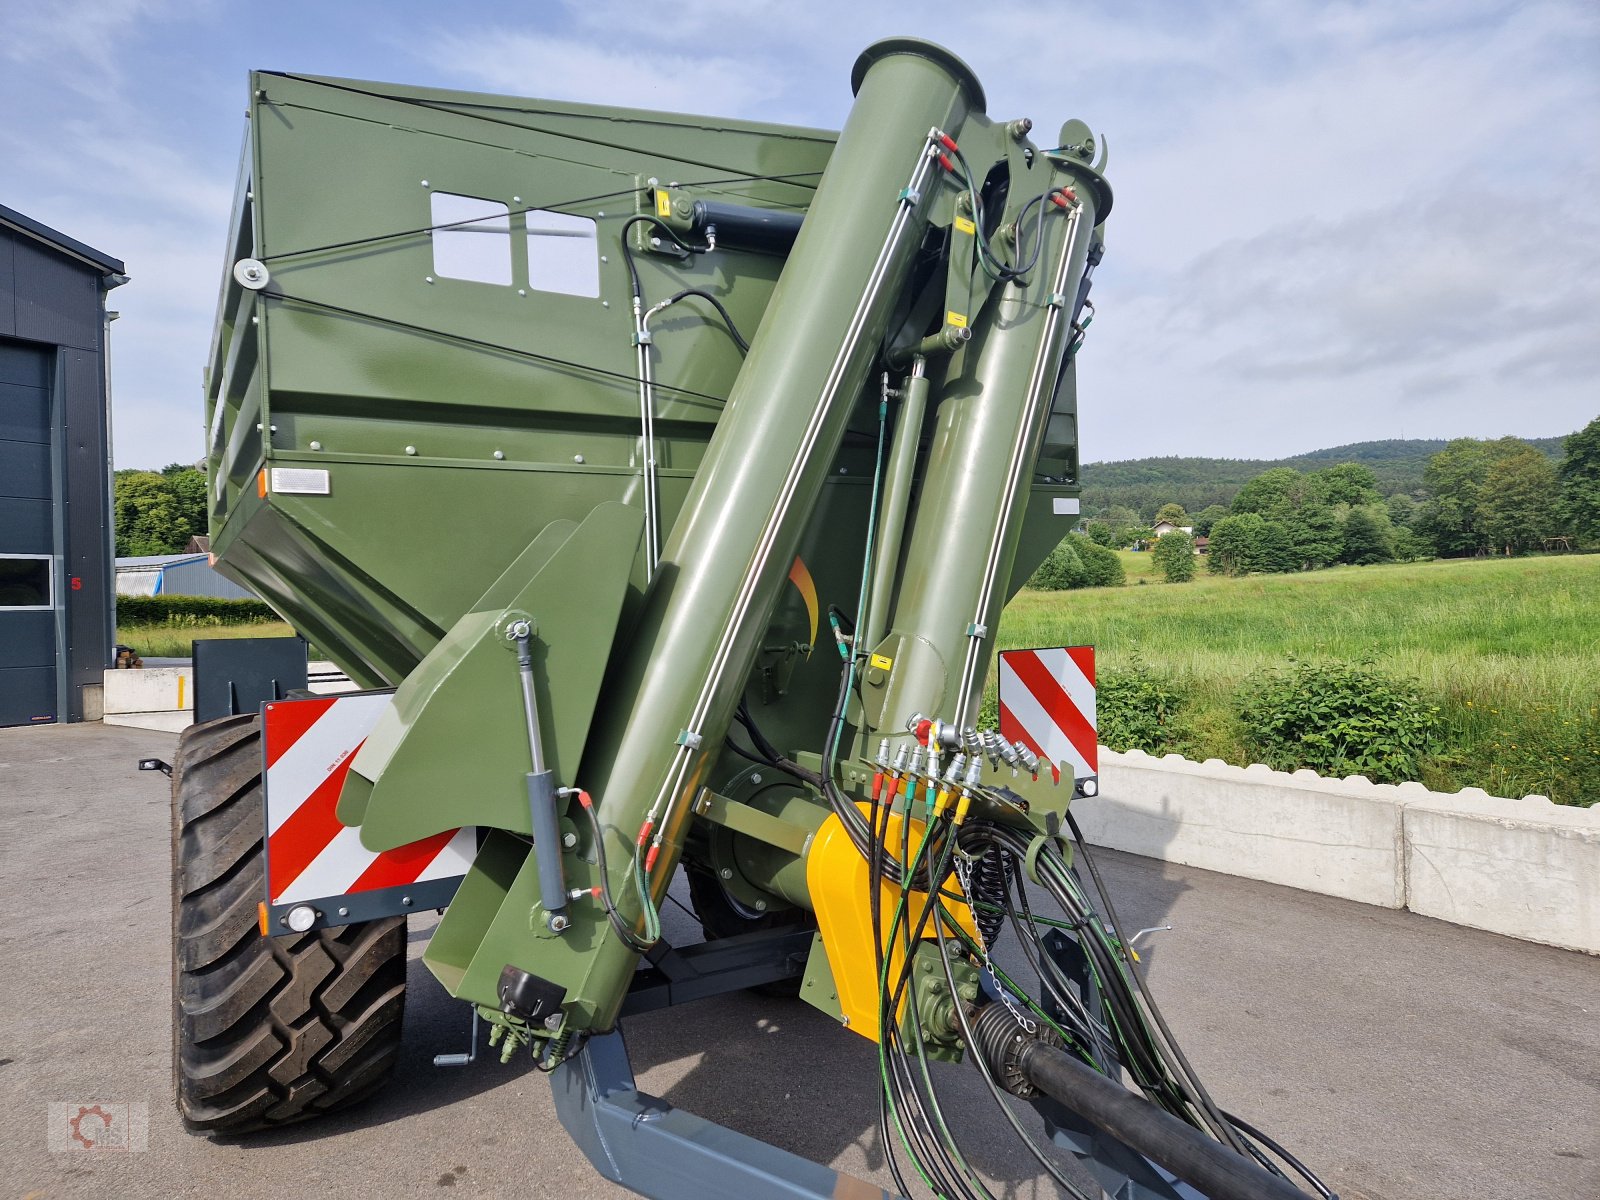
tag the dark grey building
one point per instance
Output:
(176, 575)
(56, 614)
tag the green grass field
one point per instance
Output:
(1508, 648)
(172, 641)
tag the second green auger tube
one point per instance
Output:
(663, 715)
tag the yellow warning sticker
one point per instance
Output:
(955, 320)
(663, 203)
(882, 661)
(963, 225)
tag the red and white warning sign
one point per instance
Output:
(1047, 703)
(309, 745)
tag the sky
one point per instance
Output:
(1334, 222)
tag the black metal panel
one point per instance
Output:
(27, 695)
(27, 639)
(58, 298)
(25, 526)
(8, 292)
(236, 675)
(24, 410)
(24, 365)
(89, 574)
(24, 471)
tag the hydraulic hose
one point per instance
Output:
(1216, 1170)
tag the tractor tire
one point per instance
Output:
(266, 1030)
(720, 919)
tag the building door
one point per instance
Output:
(28, 598)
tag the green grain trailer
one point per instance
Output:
(660, 480)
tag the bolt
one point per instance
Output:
(344, 912)
(553, 1021)
(316, 445)
(427, 279)
(756, 778)
(424, 183)
(558, 922)
(405, 901)
(761, 906)
(569, 840)
(604, 259)
(845, 1021)
(726, 872)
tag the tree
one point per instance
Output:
(1580, 481)
(1517, 508)
(1346, 483)
(1173, 514)
(1206, 519)
(1366, 539)
(1454, 477)
(1315, 536)
(147, 515)
(189, 489)
(1402, 509)
(1174, 557)
(1273, 494)
(1100, 533)
(1409, 545)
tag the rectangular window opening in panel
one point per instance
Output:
(563, 253)
(471, 239)
(25, 581)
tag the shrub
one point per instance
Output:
(1338, 718)
(1137, 709)
(189, 611)
(1174, 557)
(1062, 569)
(1101, 567)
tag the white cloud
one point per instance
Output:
(558, 68)
(1333, 220)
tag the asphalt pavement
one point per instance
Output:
(1399, 1056)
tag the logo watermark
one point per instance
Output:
(99, 1125)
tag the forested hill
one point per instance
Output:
(1144, 484)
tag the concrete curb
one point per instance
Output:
(1523, 867)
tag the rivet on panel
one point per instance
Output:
(316, 445)
(499, 455)
(424, 183)
(427, 278)
(411, 449)
(577, 458)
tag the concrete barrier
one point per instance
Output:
(150, 698)
(1523, 867)
(163, 697)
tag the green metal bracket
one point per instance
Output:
(752, 822)
(452, 750)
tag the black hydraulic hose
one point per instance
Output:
(1216, 1170)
